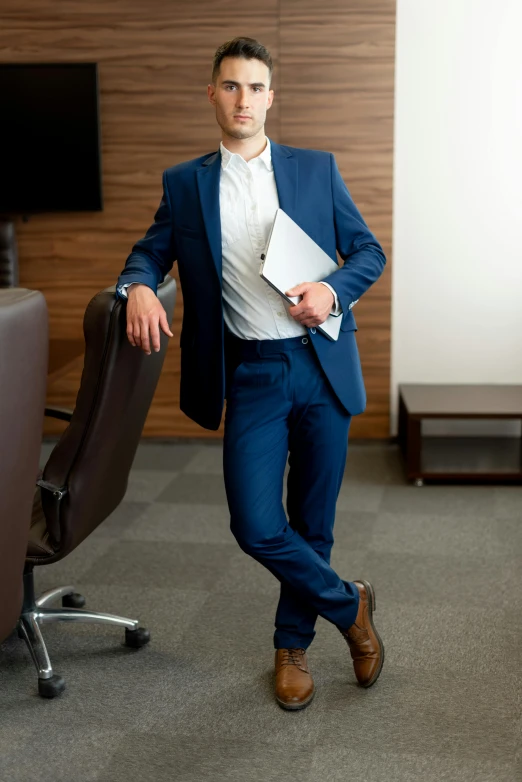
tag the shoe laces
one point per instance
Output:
(293, 657)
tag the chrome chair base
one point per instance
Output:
(53, 594)
(30, 622)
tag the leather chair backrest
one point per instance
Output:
(24, 343)
(94, 455)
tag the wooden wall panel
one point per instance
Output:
(334, 91)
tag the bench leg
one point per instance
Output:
(413, 448)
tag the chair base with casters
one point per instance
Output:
(35, 613)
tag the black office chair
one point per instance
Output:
(86, 475)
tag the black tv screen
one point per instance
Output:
(50, 157)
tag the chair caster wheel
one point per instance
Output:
(50, 688)
(136, 638)
(73, 601)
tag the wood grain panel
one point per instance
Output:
(336, 93)
(334, 90)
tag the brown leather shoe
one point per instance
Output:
(366, 647)
(294, 684)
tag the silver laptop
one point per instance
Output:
(291, 257)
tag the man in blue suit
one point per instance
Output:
(290, 391)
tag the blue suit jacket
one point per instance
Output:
(187, 228)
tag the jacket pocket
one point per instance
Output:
(194, 233)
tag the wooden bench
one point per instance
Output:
(459, 459)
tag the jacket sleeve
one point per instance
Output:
(363, 257)
(153, 256)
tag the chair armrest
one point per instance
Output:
(62, 413)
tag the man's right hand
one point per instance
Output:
(145, 316)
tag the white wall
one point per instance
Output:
(457, 227)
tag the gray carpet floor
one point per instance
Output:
(197, 703)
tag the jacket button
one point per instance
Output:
(312, 331)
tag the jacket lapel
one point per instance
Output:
(286, 177)
(208, 188)
(208, 175)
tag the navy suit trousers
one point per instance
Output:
(280, 406)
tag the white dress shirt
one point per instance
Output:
(248, 203)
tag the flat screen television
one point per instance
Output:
(50, 156)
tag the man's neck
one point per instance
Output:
(248, 148)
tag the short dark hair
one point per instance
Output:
(248, 48)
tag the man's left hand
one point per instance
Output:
(315, 306)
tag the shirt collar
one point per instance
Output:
(228, 157)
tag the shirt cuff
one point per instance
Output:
(122, 289)
(336, 308)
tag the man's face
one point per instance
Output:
(241, 96)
